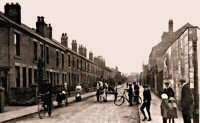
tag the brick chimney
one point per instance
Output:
(85, 52)
(13, 11)
(74, 45)
(43, 29)
(170, 25)
(64, 39)
(80, 49)
(91, 56)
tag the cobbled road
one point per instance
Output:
(89, 111)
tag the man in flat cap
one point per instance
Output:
(168, 90)
(186, 100)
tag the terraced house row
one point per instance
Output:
(21, 47)
(174, 58)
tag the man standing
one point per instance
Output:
(130, 94)
(186, 101)
(147, 102)
(168, 90)
(98, 84)
(136, 92)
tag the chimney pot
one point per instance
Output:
(13, 11)
(170, 25)
(38, 17)
(64, 39)
(42, 18)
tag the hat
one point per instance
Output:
(182, 80)
(145, 86)
(164, 96)
(167, 82)
(172, 98)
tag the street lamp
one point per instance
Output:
(196, 85)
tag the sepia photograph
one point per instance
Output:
(99, 61)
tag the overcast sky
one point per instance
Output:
(122, 31)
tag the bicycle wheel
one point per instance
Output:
(137, 102)
(119, 100)
(41, 110)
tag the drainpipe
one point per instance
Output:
(196, 85)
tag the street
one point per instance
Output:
(90, 111)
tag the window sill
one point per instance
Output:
(35, 61)
(17, 57)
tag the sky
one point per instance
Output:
(122, 31)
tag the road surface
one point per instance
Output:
(89, 111)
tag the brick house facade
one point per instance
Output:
(20, 49)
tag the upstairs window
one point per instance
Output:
(63, 60)
(57, 58)
(35, 50)
(73, 62)
(77, 64)
(17, 44)
(47, 55)
(41, 52)
(69, 61)
(81, 64)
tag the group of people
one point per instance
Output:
(102, 88)
(60, 95)
(169, 105)
(133, 92)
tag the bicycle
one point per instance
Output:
(119, 100)
(61, 97)
(43, 107)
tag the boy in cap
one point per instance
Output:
(186, 101)
(168, 90)
(146, 102)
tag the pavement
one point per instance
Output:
(155, 110)
(14, 112)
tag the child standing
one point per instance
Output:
(164, 107)
(172, 110)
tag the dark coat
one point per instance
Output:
(169, 91)
(147, 95)
(186, 97)
(136, 89)
(130, 91)
(164, 108)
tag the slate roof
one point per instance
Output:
(168, 38)
(32, 31)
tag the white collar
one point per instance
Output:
(184, 83)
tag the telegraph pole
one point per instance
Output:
(196, 85)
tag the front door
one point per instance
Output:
(4, 84)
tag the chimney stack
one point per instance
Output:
(64, 39)
(81, 50)
(13, 11)
(74, 45)
(91, 56)
(84, 51)
(43, 29)
(170, 25)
